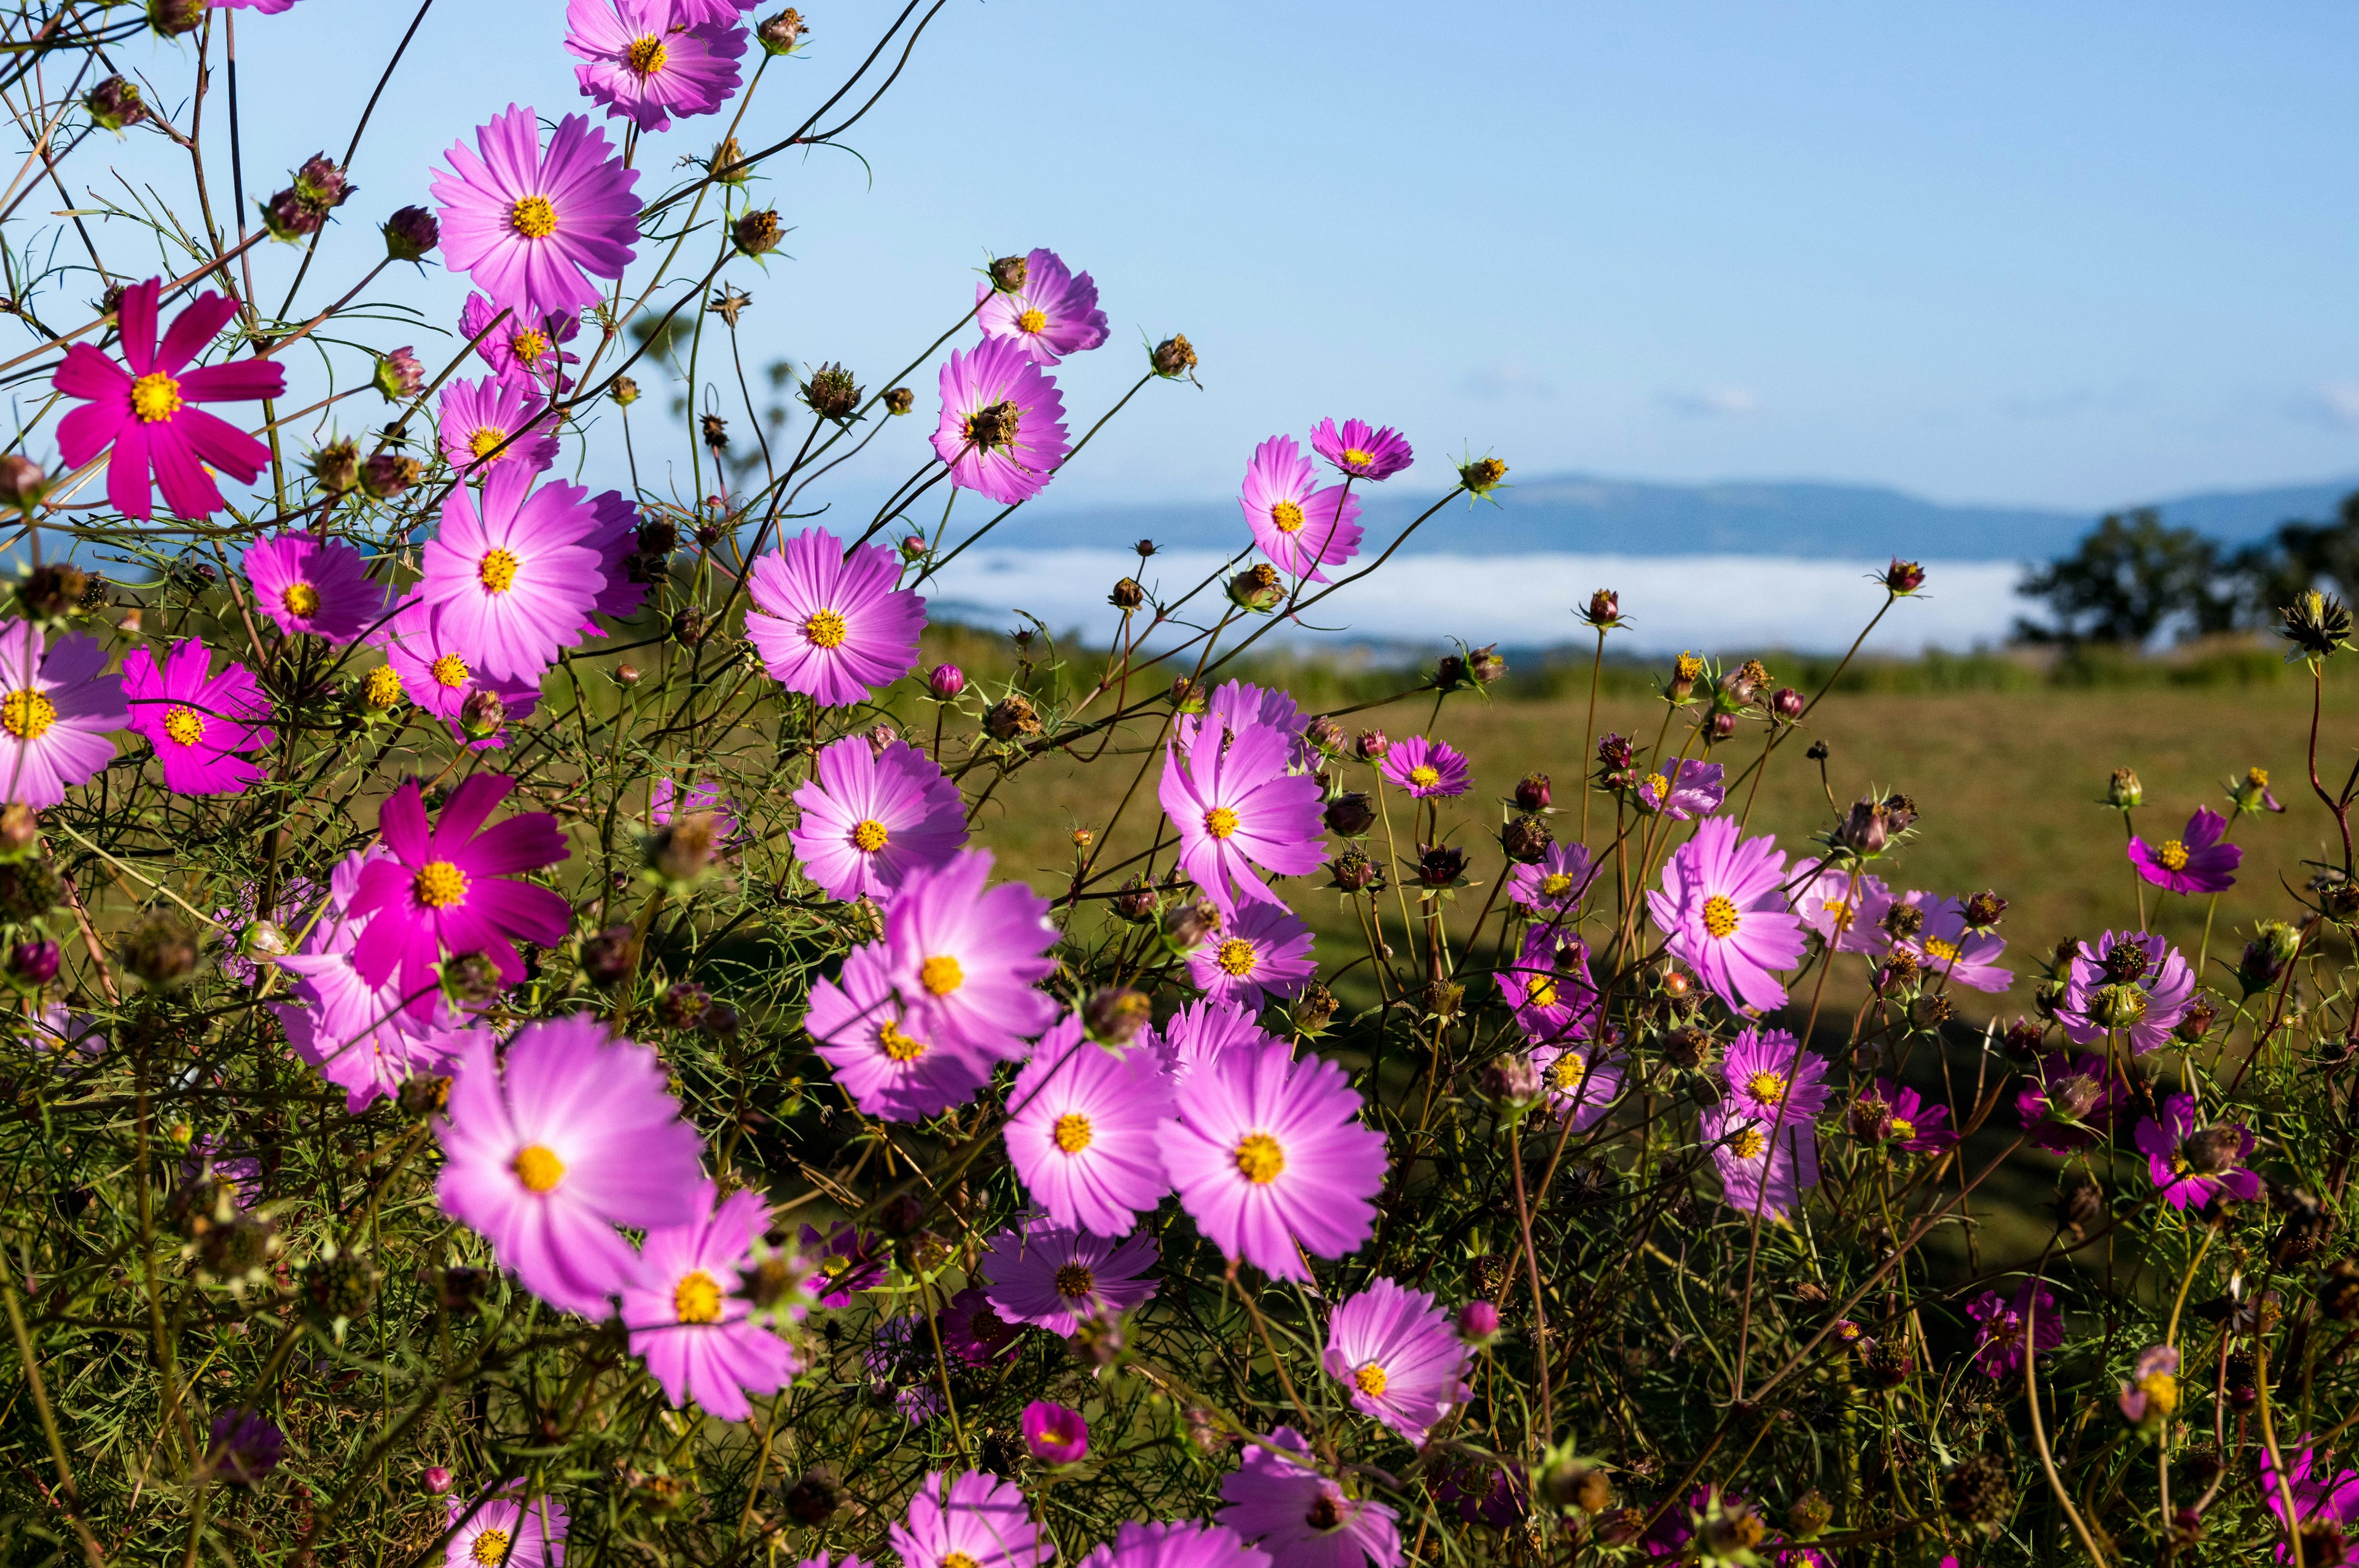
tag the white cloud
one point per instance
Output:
(1506, 380)
(1713, 402)
(2338, 402)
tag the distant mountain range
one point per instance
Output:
(1583, 514)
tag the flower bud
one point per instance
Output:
(1350, 814)
(2082, 1205)
(1482, 476)
(1127, 595)
(1440, 865)
(1478, 1323)
(1115, 1014)
(812, 1500)
(1604, 610)
(1137, 901)
(1010, 717)
(608, 957)
(1008, 273)
(264, 939)
(1371, 746)
(1173, 358)
(832, 392)
(683, 1004)
(116, 103)
(399, 375)
(1314, 1009)
(173, 17)
(20, 829)
(2317, 624)
(681, 850)
(1187, 697)
(781, 33)
(47, 593)
(1903, 577)
(2197, 1021)
(1787, 705)
(1615, 753)
(900, 400)
(1258, 589)
(1865, 829)
(946, 681)
(727, 164)
(1354, 872)
(1323, 735)
(436, 1479)
(389, 474)
(337, 466)
(2122, 791)
(1187, 926)
(1484, 664)
(757, 233)
(881, 738)
(1532, 793)
(1686, 670)
(34, 963)
(1512, 1080)
(410, 233)
(1720, 725)
(915, 550)
(381, 689)
(1525, 839)
(1810, 1516)
(624, 392)
(22, 481)
(482, 714)
(2022, 1038)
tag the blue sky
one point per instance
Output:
(1995, 252)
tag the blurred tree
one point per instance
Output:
(2299, 556)
(2131, 578)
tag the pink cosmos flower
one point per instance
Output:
(1059, 1279)
(1270, 1159)
(1425, 769)
(1002, 430)
(974, 1516)
(1263, 952)
(1550, 989)
(1361, 450)
(1845, 908)
(197, 720)
(2196, 861)
(1298, 528)
(2069, 1103)
(2191, 1164)
(614, 534)
(1055, 1435)
(1580, 1081)
(361, 1037)
(1397, 1356)
(1999, 1340)
(647, 65)
(1763, 1167)
(449, 888)
(524, 226)
(1687, 789)
(974, 1333)
(871, 815)
(1054, 314)
(2131, 982)
(1556, 883)
(1081, 1130)
(1767, 1071)
(259, 7)
(685, 1319)
(1725, 919)
(305, 583)
(1945, 947)
(525, 348)
(56, 712)
(2324, 1512)
(437, 677)
(1237, 705)
(847, 1259)
(508, 1531)
(860, 1029)
(1303, 1518)
(1895, 1113)
(491, 421)
(829, 626)
(1182, 1544)
(545, 1153)
(965, 959)
(144, 412)
(1237, 807)
(1201, 1031)
(513, 582)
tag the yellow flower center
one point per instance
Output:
(154, 397)
(1541, 994)
(1719, 915)
(826, 629)
(1220, 822)
(27, 714)
(439, 884)
(644, 57)
(1287, 517)
(1839, 911)
(1567, 1071)
(300, 598)
(1072, 1133)
(1074, 1281)
(1935, 947)
(1033, 321)
(2257, 778)
(385, 687)
(450, 670)
(697, 1298)
(899, 1045)
(529, 345)
(1767, 1086)
(486, 441)
(868, 836)
(2162, 1390)
(538, 1167)
(1903, 1128)
(1658, 785)
(1555, 884)
(958, 1560)
(940, 974)
(490, 1547)
(497, 570)
(1259, 1158)
(2173, 855)
(1424, 775)
(1236, 957)
(534, 219)
(1355, 457)
(1370, 1380)
(1749, 1143)
(184, 725)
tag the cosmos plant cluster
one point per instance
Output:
(1145, 1065)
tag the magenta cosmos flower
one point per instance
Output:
(1002, 430)
(1944, 947)
(871, 817)
(970, 1519)
(508, 1531)
(1182, 1544)
(141, 407)
(2326, 1512)
(1362, 450)
(2001, 1320)
(56, 712)
(2069, 1103)
(644, 66)
(1426, 768)
(1237, 807)
(434, 673)
(513, 581)
(524, 226)
(1261, 952)
(846, 1260)
(1081, 1130)
(1399, 1357)
(1580, 1081)
(547, 1152)
(1763, 1167)
(1237, 705)
(1550, 989)
(1304, 1520)
(1300, 528)
(965, 957)
(831, 625)
(2131, 982)
(1201, 1031)
(688, 1322)
(359, 1037)
(1769, 1074)
(1055, 1435)
(1271, 1161)
(490, 421)
(1054, 314)
(449, 888)
(305, 583)
(974, 1333)
(1722, 910)
(2195, 862)
(2192, 1165)
(1896, 1114)
(858, 1027)
(1845, 908)
(1557, 882)
(1685, 790)
(1060, 1278)
(615, 535)
(198, 721)
(524, 347)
